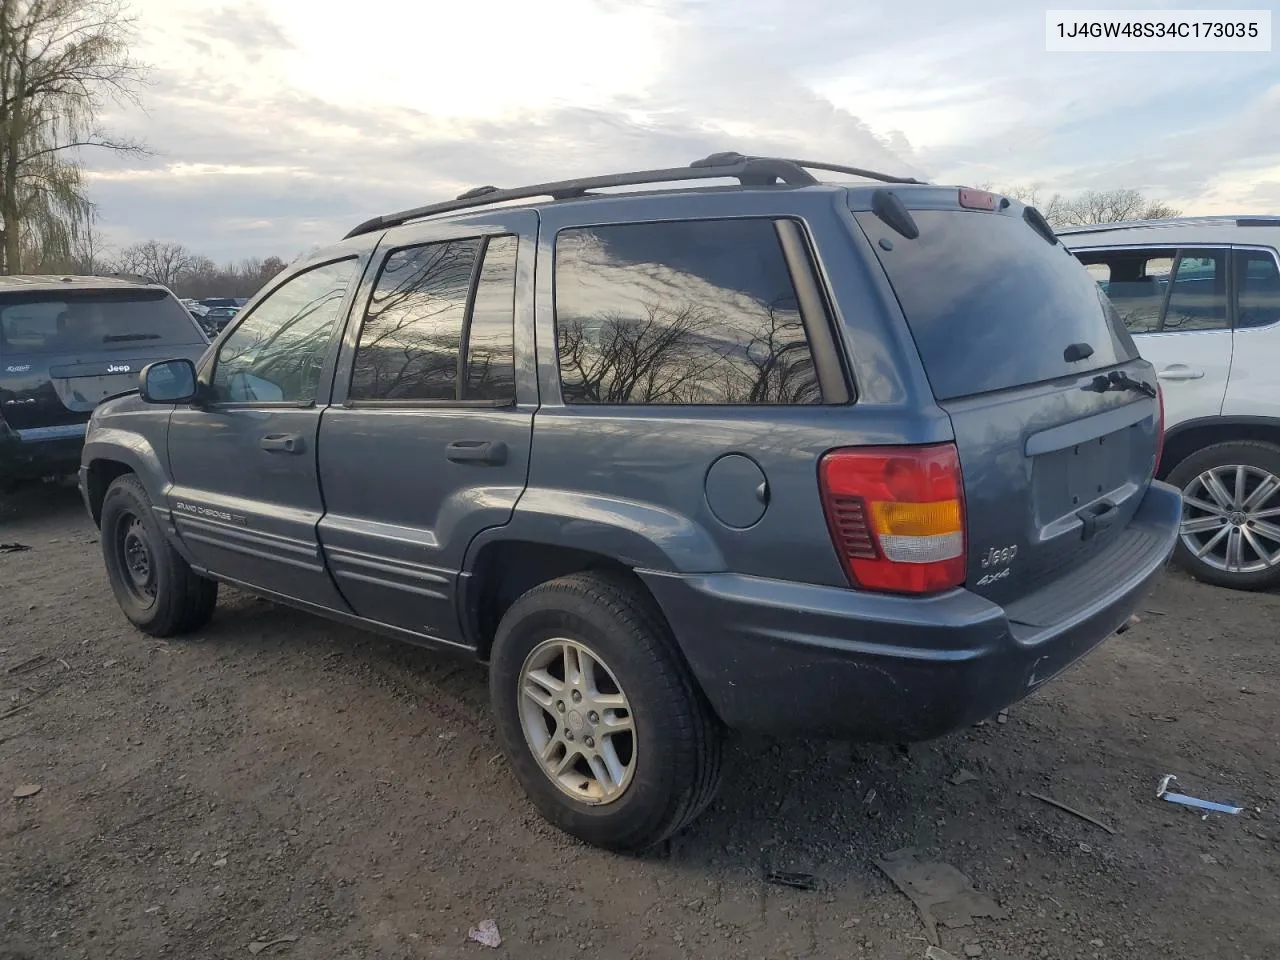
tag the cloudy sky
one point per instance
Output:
(276, 125)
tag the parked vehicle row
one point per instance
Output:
(863, 460)
(214, 313)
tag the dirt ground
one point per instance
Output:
(281, 776)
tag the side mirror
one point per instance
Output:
(168, 381)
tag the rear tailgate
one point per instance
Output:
(61, 354)
(1055, 415)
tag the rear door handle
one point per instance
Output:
(1180, 371)
(281, 443)
(477, 451)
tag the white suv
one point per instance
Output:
(1201, 296)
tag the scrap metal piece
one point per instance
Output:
(941, 893)
(1162, 793)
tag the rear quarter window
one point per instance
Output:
(991, 305)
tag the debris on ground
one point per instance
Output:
(937, 953)
(1163, 719)
(259, 945)
(796, 881)
(941, 893)
(22, 791)
(1002, 716)
(1071, 810)
(972, 950)
(29, 664)
(13, 547)
(486, 934)
(962, 776)
(1162, 793)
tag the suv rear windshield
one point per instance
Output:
(991, 305)
(89, 321)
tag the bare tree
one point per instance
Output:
(60, 62)
(166, 263)
(1049, 205)
(1092, 206)
(89, 256)
(187, 273)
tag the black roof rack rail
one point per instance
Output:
(854, 171)
(749, 171)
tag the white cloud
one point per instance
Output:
(301, 121)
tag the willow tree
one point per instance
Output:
(61, 63)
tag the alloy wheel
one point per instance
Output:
(577, 721)
(1231, 518)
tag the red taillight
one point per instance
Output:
(1159, 430)
(977, 199)
(896, 516)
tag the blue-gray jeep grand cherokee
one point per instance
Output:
(864, 460)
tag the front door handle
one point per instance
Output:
(281, 443)
(1180, 371)
(477, 451)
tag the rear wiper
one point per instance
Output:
(1119, 380)
(121, 337)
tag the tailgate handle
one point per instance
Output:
(1095, 517)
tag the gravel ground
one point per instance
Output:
(277, 776)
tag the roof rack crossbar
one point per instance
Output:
(749, 171)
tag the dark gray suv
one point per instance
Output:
(843, 460)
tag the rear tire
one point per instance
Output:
(1230, 536)
(154, 586)
(621, 791)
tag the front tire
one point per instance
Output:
(157, 590)
(1230, 515)
(598, 715)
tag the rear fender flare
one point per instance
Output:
(636, 534)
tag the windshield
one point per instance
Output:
(89, 321)
(991, 305)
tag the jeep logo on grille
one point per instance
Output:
(117, 368)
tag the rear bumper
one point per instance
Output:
(39, 452)
(792, 658)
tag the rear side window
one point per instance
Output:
(692, 312)
(85, 322)
(438, 330)
(1258, 286)
(991, 305)
(1199, 297)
